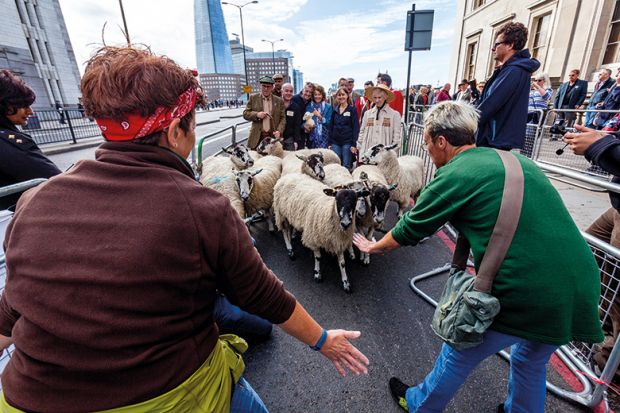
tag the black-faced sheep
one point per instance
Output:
(324, 216)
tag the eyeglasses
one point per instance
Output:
(497, 44)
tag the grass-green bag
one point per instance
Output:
(466, 307)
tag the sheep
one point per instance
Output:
(377, 201)
(311, 165)
(323, 214)
(406, 171)
(308, 121)
(217, 174)
(256, 187)
(240, 156)
(273, 146)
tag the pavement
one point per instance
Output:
(395, 322)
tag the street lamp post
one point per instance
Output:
(245, 66)
(125, 23)
(273, 53)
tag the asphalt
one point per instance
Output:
(394, 321)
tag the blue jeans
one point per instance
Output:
(246, 400)
(526, 384)
(344, 153)
(232, 319)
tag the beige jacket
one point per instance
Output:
(255, 105)
(386, 130)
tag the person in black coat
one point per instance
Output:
(295, 136)
(20, 157)
(571, 96)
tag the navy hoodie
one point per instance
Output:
(503, 107)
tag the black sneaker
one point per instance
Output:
(398, 390)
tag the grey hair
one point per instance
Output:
(456, 121)
(545, 76)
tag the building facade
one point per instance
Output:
(298, 80)
(218, 86)
(35, 45)
(563, 35)
(213, 53)
(236, 49)
(267, 64)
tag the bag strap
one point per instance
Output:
(505, 226)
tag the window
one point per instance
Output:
(478, 3)
(541, 36)
(613, 43)
(470, 61)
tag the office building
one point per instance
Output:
(213, 53)
(563, 35)
(35, 45)
(221, 86)
(298, 80)
(236, 49)
(267, 64)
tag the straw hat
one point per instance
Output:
(369, 91)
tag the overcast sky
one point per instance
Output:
(328, 38)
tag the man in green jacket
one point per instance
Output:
(548, 284)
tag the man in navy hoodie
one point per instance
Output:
(503, 106)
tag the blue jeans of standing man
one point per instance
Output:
(526, 384)
(245, 399)
(344, 153)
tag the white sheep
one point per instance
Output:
(329, 156)
(323, 214)
(273, 146)
(311, 165)
(217, 174)
(405, 171)
(308, 121)
(240, 156)
(377, 202)
(256, 186)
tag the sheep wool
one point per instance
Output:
(217, 174)
(261, 197)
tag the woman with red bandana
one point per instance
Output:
(115, 310)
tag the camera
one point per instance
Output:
(558, 127)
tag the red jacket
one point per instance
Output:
(398, 102)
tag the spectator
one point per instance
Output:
(412, 96)
(144, 249)
(603, 150)
(61, 112)
(503, 106)
(571, 96)
(352, 93)
(381, 124)
(266, 112)
(422, 101)
(546, 300)
(20, 157)
(463, 92)
(600, 92)
(431, 94)
(278, 79)
(477, 96)
(444, 93)
(342, 82)
(344, 128)
(295, 136)
(540, 95)
(397, 102)
(322, 116)
(363, 104)
(611, 102)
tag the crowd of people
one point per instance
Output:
(143, 252)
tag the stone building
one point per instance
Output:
(563, 35)
(35, 45)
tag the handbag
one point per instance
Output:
(466, 307)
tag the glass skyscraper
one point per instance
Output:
(212, 48)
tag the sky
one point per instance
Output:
(329, 39)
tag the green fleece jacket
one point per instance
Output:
(548, 285)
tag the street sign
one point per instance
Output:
(419, 30)
(247, 89)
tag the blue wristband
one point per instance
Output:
(319, 344)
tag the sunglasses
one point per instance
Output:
(497, 44)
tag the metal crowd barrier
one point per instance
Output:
(52, 126)
(414, 146)
(197, 152)
(5, 217)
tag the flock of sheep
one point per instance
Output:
(307, 191)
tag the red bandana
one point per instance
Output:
(136, 126)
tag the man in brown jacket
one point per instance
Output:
(266, 112)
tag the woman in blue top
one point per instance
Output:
(322, 115)
(344, 128)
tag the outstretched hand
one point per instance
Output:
(343, 354)
(363, 244)
(581, 140)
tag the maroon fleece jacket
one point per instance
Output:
(112, 271)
